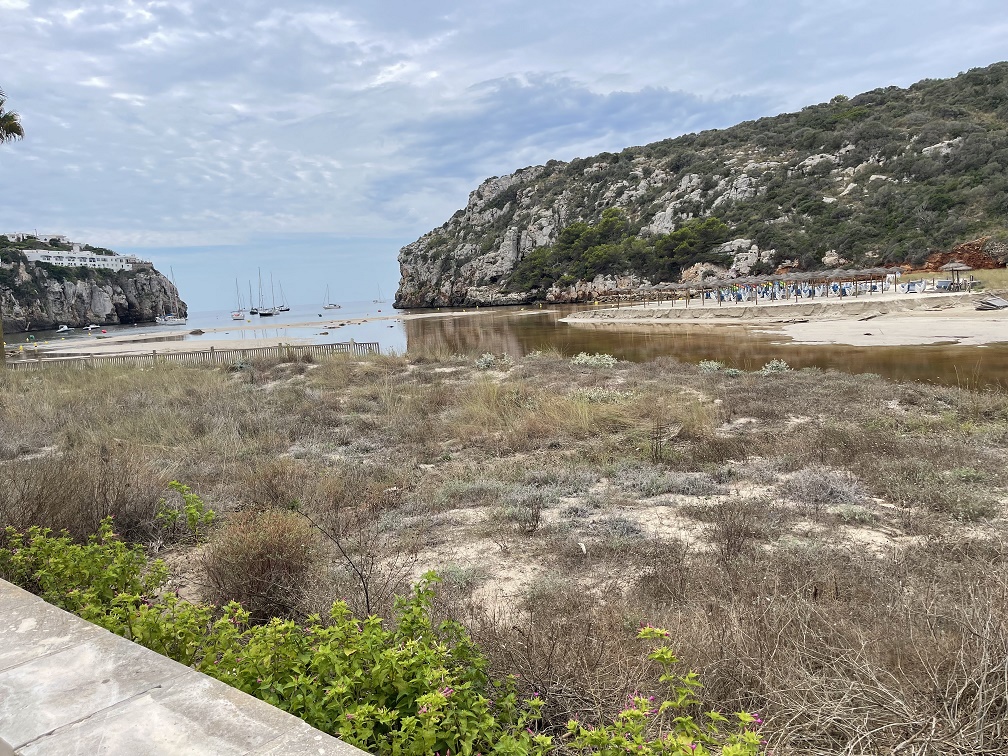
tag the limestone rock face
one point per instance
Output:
(33, 299)
(701, 272)
(470, 258)
(601, 288)
(798, 184)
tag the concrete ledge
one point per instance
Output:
(70, 687)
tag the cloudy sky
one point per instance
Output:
(315, 138)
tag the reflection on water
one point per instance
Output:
(518, 333)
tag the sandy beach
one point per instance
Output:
(889, 319)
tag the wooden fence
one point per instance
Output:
(212, 356)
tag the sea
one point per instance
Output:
(383, 325)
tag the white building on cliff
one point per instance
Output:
(78, 258)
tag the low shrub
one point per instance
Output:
(654, 480)
(710, 366)
(77, 490)
(262, 560)
(775, 366)
(596, 360)
(490, 361)
(600, 395)
(817, 487)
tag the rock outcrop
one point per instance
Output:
(33, 298)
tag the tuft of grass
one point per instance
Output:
(655, 480)
(818, 487)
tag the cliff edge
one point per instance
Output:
(35, 296)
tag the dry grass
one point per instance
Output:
(824, 547)
(264, 561)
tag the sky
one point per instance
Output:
(312, 140)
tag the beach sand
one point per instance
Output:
(889, 319)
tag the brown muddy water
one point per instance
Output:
(518, 332)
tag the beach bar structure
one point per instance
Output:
(956, 268)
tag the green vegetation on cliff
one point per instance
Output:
(611, 247)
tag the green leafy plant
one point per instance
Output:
(83, 578)
(195, 513)
(666, 728)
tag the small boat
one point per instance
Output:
(266, 312)
(326, 304)
(238, 313)
(91, 327)
(63, 329)
(169, 318)
(284, 307)
(381, 297)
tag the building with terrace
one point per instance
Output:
(78, 258)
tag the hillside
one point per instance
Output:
(38, 295)
(888, 176)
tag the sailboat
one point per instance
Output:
(252, 307)
(284, 307)
(326, 304)
(381, 297)
(238, 313)
(264, 312)
(171, 318)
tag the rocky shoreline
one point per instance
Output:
(38, 301)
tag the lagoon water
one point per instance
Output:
(518, 331)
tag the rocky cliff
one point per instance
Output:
(39, 297)
(886, 177)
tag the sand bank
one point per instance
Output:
(868, 320)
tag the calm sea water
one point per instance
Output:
(519, 331)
